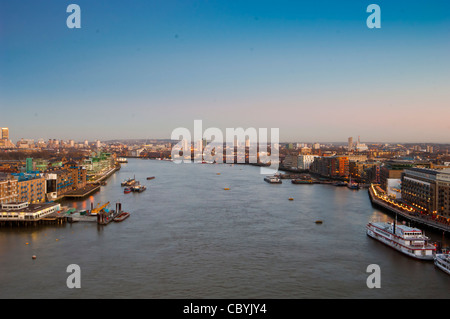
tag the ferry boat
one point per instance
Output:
(273, 179)
(408, 240)
(442, 261)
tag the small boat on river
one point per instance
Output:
(121, 217)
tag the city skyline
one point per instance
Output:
(140, 70)
(94, 140)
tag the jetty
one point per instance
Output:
(83, 192)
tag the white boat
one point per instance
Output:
(272, 179)
(442, 261)
(408, 240)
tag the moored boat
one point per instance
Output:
(273, 179)
(353, 185)
(340, 184)
(408, 240)
(442, 261)
(151, 177)
(301, 181)
(127, 190)
(138, 188)
(129, 182)
(121, 217)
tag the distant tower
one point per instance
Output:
(350, 143)
(29, 165)
(5, 133)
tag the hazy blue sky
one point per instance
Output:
(140, 68)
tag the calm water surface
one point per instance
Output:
(187, 237)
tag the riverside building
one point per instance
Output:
(428, 190)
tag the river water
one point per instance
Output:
(188, 237)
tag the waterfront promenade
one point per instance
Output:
(407, 213)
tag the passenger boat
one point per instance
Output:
(273, 179)
(442, 261)
(121, 217)
(408, 240)
(151, 177)
(127, 190)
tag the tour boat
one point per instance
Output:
(272, 179)
(408, 240)
(442, 261)
(122, 216)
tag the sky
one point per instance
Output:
(142, 68)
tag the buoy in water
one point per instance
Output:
(26, 243)
(226, 188)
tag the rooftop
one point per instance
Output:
(25, 207)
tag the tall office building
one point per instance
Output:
(350, 143)
(5, 133)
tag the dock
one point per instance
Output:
(102, 217)
(83, 192)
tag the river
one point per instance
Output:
(188, 237)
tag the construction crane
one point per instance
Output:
(99, 208)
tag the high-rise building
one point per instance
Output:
(350, 143)
(5, 133)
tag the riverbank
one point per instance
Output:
(410, 215)
(90, 188)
